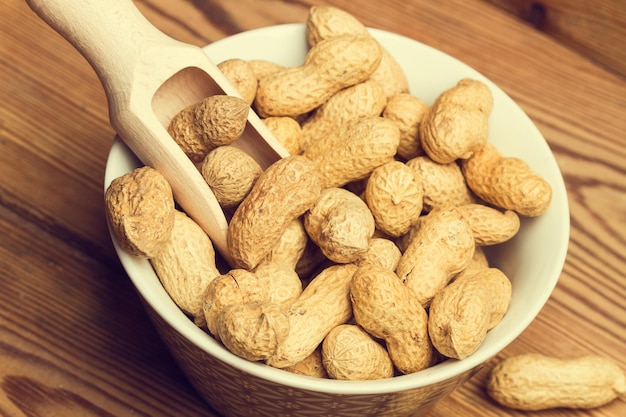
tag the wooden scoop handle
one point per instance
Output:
(112, 35)
(148, 77)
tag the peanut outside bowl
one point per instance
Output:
(533, 260)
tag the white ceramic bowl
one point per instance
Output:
(533, 261)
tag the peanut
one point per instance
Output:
(270, 283)
(341, 224)
(312, 365)
(241, 74)
(355, 151)
(262, 68)
(325, 22)
(215, 121)
(381, 252)
(457, 124)
(237, 286)
(288, 132)
(443, 184)
(185, 266)
(344, 108)
(253, 331)
(507, 182)
(140, 210)
(537, 382)
(489, 225)
(461, 314)
(230, 173)
(394, 194)
(442, 247)
(261, 218)
(282, 282)
(330, 66)
(350, 353)
(407, 112)
(386, 309)
(323, 305)
(290, 247)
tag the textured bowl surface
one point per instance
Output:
(533, 261)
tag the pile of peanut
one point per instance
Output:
(360, 256)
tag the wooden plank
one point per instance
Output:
(595, 28)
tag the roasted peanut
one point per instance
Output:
(288, 132)
(341, 224)
(140, 210)
(457, 124)
(353, 153)
(442, 247)
(380, 252)
(312, 365)
(185, 266)
(281, 281)
(235, 287)
(241, 74)
(230, 173)
(325, 22)
(443, 184)
(323, 305)
(283, 192)
(344, 108)
(407, 111)
(394, 194)
(507, 182)
(253, 331)
(350, 353)
(489, 225)
(290, 247)
(330, 66)
(461, 314)
(537, 382)
(262, 68)
(215, 121)
(387, 309)
(275, 284)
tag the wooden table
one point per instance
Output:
(74, 339)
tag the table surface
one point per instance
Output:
(74, 339)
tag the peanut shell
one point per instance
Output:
(185, 266)
(330, 66)
(284, 191)
(354, 152)
(323, 305)
(386, 309)
(288, 132)
(253, 331)
(533, 381)
(457, 124)
(442, 247)
(443, 184)
(507, 182)
(230, 173)
(215, 121)
(140, 210)
(461, 314)
(394, 194)
(341, 224)
(350, 353)
(241, 74)
(407, 111)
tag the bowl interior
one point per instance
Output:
(533, 260)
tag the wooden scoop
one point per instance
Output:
(148, 77)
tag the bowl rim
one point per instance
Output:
(160, 302)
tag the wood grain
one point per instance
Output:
(596, 29)
(74, 339)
